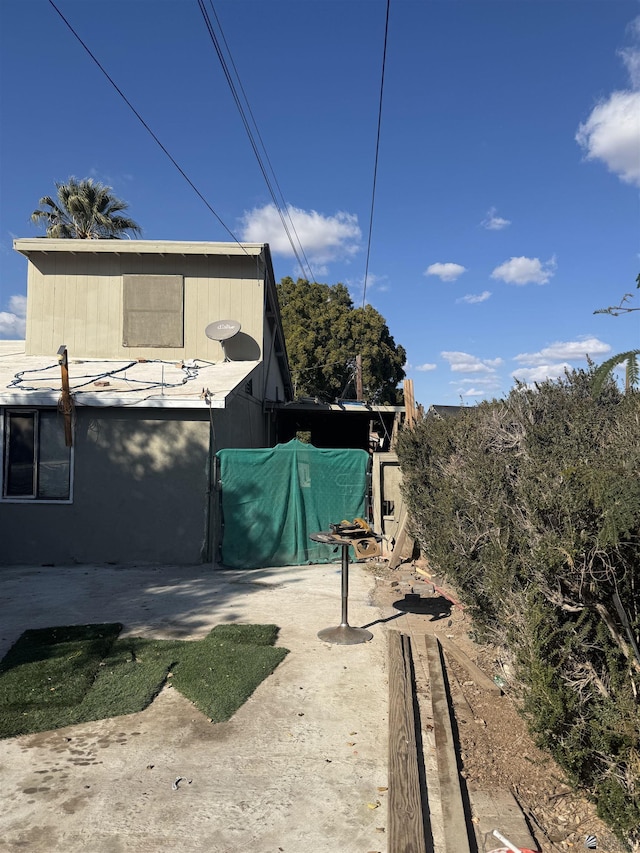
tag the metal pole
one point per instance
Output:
(345, 584)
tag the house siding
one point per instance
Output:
(141, 490)
(78, 300)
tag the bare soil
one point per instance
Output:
(496, 749)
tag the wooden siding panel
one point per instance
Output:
(77, 300)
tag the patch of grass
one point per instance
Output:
(54, 666)
(63, 676)
(219, 673)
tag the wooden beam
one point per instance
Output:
(479, 678)
(409, 402)
(455, 826)
(405, 819)
(66, 404)
(404, 544)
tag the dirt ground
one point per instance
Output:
(496, 750)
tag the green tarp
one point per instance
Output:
(274, 497)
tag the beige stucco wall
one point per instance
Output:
(142, 489)
(77, 300)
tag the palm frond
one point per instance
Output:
(605, 370)
(85, 209)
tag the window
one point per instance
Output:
(37, 464)
(153, 311)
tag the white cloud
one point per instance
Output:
(631, 58)
(473, 298)
(474, 392)
(462, 362)
(541, 372)
(377, 283)
(489, 381)
(426, 367)
(612, 131)
(445, 272)
(612, 134)
(492, 222)
(523, 270)
(567, 350)
(13, 321)
(324, 238)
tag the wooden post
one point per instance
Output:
(409, 402)
(359, 377)
(66, 396)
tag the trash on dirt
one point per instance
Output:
(508, 845)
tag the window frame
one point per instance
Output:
(5, 413)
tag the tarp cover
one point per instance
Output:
(274, 497)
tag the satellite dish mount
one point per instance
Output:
(221, 331)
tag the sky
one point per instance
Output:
(507, 193)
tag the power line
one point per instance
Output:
(147, 128)
(264, 148)
(247, 126)
(375, 167)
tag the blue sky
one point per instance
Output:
(507, 205)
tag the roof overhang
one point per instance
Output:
(352, 406)
(194, 384)
(45, 245)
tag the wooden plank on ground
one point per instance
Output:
(455, 827)
(479, 678)
(403, 548)
(405, 820)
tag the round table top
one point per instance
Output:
(328, 537)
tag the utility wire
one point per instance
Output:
(148, 129)
(375, 167)
(263, 146)
(247, 126)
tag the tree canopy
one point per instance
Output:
(86, 210)
(325, 333)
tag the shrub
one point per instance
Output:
(531, 507)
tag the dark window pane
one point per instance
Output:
(20, 471)
(53, 468)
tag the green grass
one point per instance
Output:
(57, 677)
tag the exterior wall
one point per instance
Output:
(141, 489)
(388, 503)
(273, 381)
(77, 300)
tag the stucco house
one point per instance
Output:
(142, 359)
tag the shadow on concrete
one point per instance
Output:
(165, 602)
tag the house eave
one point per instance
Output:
(45, 245)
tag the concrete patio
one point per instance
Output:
(301, 766)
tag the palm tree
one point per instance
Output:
(84, 210)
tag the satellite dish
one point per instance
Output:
(222, 330)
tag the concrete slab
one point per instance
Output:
(298, 767)
(498, 809)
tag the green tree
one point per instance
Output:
(325, 333)
(85, 210)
